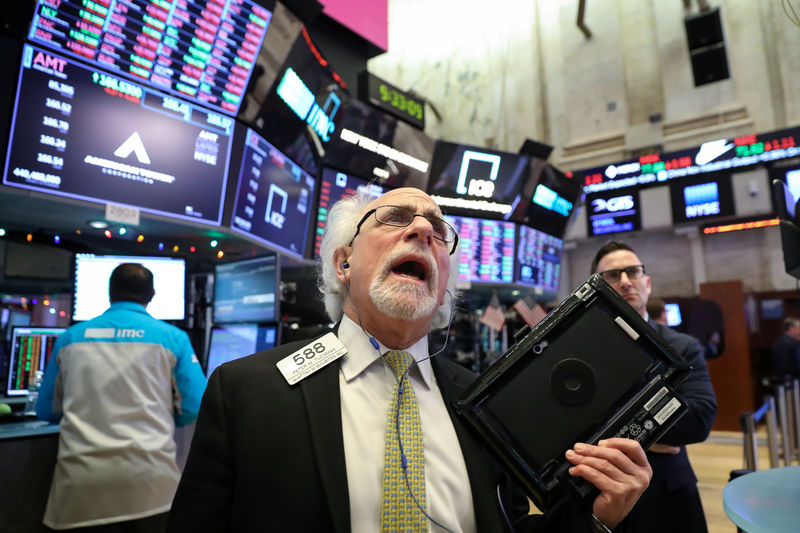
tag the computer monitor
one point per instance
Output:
(487, 249)
(238, 340)
(92, 273)
(538, 260)
(31, 348)
(702, 198)
(247, 291)
(673, 311)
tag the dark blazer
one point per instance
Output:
(267, 456)
(672, 502)
(785, 356)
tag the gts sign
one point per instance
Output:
(612, 205)
(473, 186)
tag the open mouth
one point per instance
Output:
(412, 269)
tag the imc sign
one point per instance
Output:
(474, 179)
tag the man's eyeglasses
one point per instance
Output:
(399, 216)
(613, 275)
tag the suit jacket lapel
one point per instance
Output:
(321, 392)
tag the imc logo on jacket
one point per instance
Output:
(112, 333)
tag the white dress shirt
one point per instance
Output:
(365, 385)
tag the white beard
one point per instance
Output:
(405, 301)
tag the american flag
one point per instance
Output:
(531, 315)
(493, 314)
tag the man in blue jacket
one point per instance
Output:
(119, 384)
(672, 502)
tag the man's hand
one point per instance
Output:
(664, 448)
(619, 469)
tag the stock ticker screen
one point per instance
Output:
(274, 197)
(538, 259)
(334, 186)
(487, 249)
(31, 348)
(82, 133)
(201, 50)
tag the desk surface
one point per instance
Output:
(765, 501)
(29, 427)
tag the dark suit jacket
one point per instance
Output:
(785, 356)
(267, 456)
(671, 502)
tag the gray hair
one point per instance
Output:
(340, 227)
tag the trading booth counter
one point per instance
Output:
(28, 452)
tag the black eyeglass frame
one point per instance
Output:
(619, 272)
(426, 217)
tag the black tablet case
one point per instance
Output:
(592, 369)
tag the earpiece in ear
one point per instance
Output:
(344, 266)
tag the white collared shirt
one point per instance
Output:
(365, 385)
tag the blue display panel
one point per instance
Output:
(613, 212)
(201, 50)
(238, 340)
(538, 259)
(702, 198)
(246, 291)
(551, 202)
(487, 249)
(81, 133)
(31, 348)
(92, 273)
(673, 312)
(474, 181)
(274, 197)
(334, 186)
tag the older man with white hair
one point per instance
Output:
(355, 430)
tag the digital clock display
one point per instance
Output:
(389, 98)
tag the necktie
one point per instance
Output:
(399, 513)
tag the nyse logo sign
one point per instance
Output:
(612, 205)
(474, 186)
(276, 218)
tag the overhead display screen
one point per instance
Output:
(700, 199)
(613, 212)
(334, 186)
(369, 143)
(487, 249)
(302, 108)
(538, 259)
(476, 181)
(274, 197)
(201, 50)
(81, 133)
(712, 156)
(554, 199)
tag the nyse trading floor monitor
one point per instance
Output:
(31, 348)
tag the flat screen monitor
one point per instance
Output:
(238, 340)
(487, 249)
(613, 211)
(475, 181)
(274, 197)
(81, 133)
(334, 186)
(702, 198)
(370, 143)
(203, 51)
(31, 348)
(302, 108)
(673, 312)
(538, 260)
(92, 273)
(552, 201)
(246, 291)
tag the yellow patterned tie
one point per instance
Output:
(399, 513)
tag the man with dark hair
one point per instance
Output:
(118, 384)
(657, 310)
(370, 441)
(785, 354)
(672, 502)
